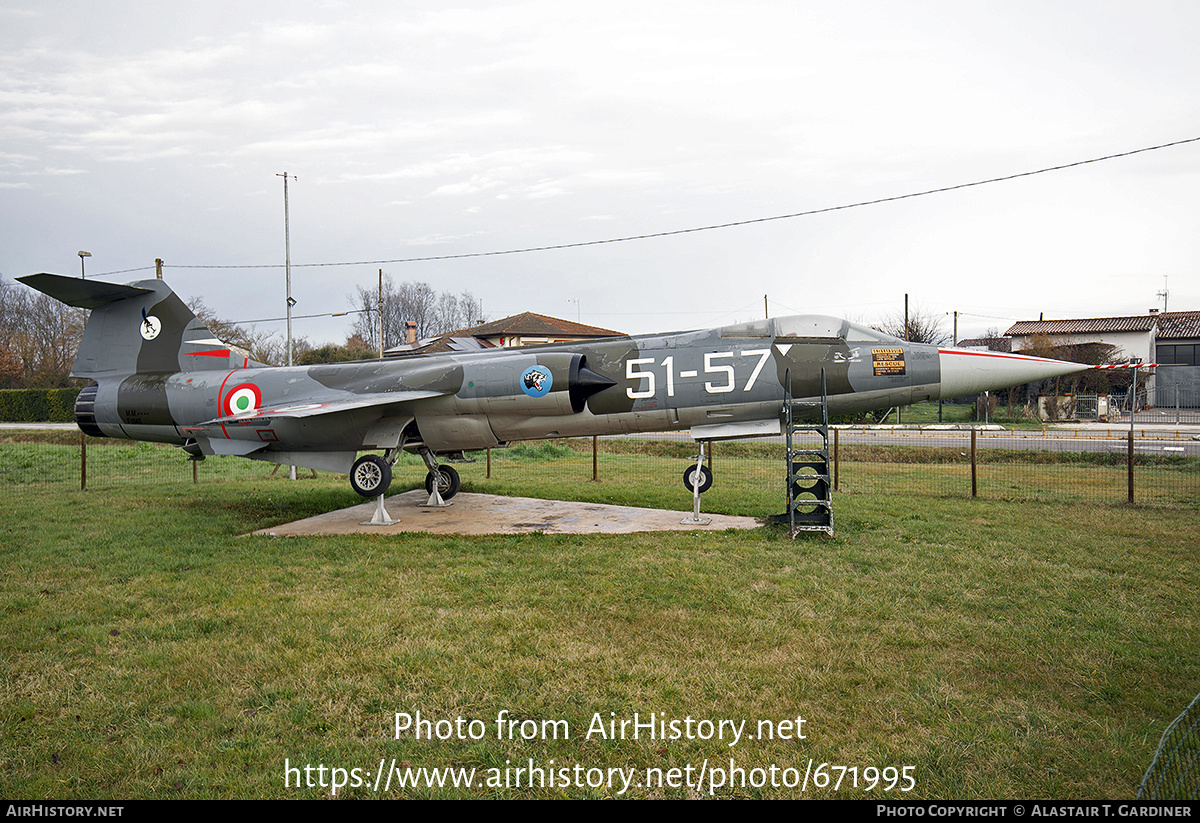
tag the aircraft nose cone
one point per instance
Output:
(970, 372)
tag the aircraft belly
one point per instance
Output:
(585, 424)
(326, 461)
(151, 433)
(300, 433)
(450, 432)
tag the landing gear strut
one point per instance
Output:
(447, 481)
(442, 482)
(697, 479)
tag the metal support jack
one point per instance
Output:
(696, 519)
(380, 518)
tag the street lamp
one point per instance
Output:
(83, 254)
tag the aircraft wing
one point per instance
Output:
(317, 409)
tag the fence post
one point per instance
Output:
(595, 459)
(489, 464)
(836, 462)
(1129, 460)
(974, 485)
(82, 461)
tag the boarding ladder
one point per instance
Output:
(809, 479)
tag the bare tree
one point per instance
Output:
(1101, 381)
(38, 337)
(433, 312)
(923, 327)
(265, 347)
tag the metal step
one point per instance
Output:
(816, 482)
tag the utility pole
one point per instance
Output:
(381, 314)
(906, 336)
(287, 267)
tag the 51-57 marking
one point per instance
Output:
(712, 366)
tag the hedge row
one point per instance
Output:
(37, 405)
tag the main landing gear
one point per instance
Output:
(442, 482)
(371, 475)
(446, 479)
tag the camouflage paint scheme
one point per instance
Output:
(161, 375)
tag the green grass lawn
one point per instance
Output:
(1000, 648)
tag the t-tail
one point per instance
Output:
(136, 337)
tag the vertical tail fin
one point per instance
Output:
(140, 328)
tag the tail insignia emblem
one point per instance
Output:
(151, 326)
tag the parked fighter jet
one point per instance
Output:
(160, 375)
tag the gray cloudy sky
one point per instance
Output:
(142, 130)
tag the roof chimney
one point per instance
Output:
(410, 332)
(1154, 311)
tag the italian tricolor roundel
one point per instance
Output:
(243, 399)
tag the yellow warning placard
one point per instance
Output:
(887, 361)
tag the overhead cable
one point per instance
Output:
(713, 227)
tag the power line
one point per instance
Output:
(125, 271)
(713, 227)
(302, 316)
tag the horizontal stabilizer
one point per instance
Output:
(83, 294)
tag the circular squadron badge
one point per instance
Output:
(536, 381)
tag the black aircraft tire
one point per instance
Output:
(706, 478)
(448, 483)
(370, 475)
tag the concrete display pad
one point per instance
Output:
(489, 514)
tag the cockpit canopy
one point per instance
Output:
(808, 327)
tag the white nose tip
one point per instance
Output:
(970, 372)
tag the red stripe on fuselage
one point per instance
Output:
(998, 354)
(1005, 356)
(221, 409)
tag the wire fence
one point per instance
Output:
(1169, 402)
(1174, 774)
(1150, 468)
